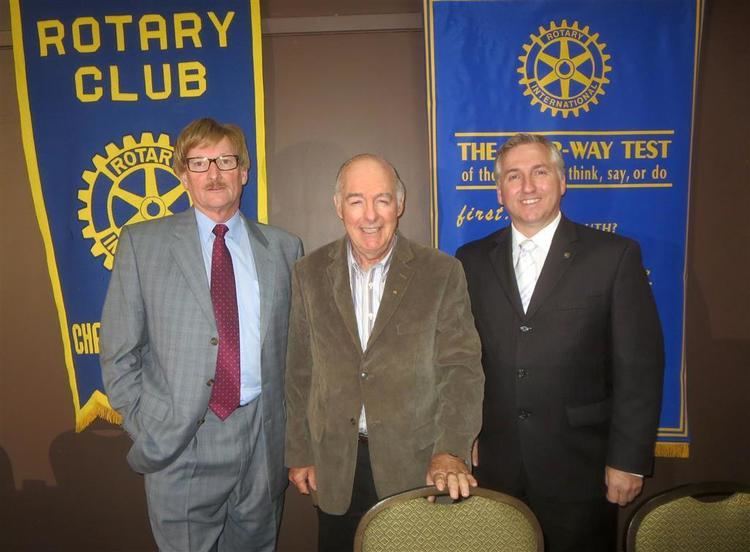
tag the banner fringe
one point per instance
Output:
(672, 450)
(96, 407)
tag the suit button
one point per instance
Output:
(352, 421)
(214, 341)
(523, 414)
(210, 382)
(521, 373)
(363, 375)
(525, 329)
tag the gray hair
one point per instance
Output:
(523, 138)
(398, 185)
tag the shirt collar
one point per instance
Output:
(383, 263)
(542, 239)
(206, 226)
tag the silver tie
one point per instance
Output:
(526, 272)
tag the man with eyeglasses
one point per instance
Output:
(193, 343)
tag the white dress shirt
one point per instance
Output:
(542, 240)
(367, 291)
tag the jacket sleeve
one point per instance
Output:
(637, 367)
(123, 338)
(297, 381)
(460, 378)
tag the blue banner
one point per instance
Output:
(612, 83)
(104, 89)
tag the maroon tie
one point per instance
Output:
(226, 391)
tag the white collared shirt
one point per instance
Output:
(367, 291)
(542, 240)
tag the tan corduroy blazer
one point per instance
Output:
(420, 377)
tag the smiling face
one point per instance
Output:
(369, 207)
(530, 187)
(215, 193)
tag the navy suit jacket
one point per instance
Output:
(574, 384)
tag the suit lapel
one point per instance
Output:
(501, 259)
(561, 254)
(399, 276)
(265, 268)
(186, 249)
(338, 274)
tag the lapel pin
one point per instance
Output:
(567, 254)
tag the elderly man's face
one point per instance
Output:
(530, 188)
(369, 208)
(215, 193)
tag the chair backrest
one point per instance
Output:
(487, 521)
(699, 517)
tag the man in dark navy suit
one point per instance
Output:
(572, 352)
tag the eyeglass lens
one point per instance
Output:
(223, 163)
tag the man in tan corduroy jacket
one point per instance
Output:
(384, 382)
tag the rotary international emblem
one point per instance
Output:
(132, 183)
(564, 69)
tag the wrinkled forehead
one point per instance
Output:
(368, 176)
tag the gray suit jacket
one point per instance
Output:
(420, 377)
(158, 337)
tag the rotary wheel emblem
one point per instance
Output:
(564, 69)
(132, 183)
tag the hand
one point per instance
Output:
(448, 471)
(304, 479)
(622, 487)
(475, 453)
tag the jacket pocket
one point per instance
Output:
(578, 303)
(153, 407)
(589, 414)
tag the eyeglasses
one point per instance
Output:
(223, 163)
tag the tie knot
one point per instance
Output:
(527, 246)
(220, 230)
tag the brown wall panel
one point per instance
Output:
(33, 380)
(329, 97)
